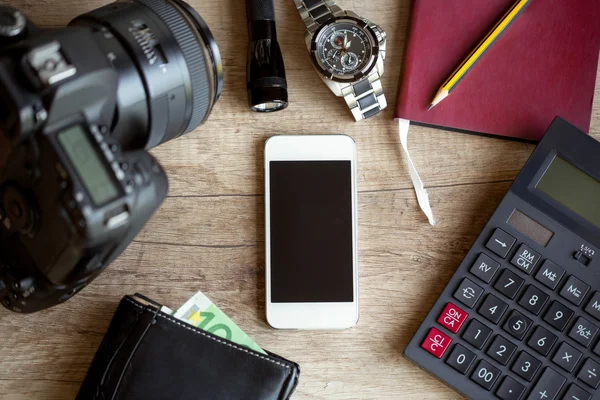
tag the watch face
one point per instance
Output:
(344, 48)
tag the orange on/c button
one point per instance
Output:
(452, 318)
(436, 343)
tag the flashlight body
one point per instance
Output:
(260, 10)
(266, 80)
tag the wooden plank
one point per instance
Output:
(209, 233)
(20, 389)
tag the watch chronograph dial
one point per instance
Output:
(344, 48)
(350, 61)
(337, 40)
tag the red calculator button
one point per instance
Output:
(452, 318)
(436, 343)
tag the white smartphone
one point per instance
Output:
(311, 232)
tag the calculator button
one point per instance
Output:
(510, 389)
(460, 359)
(501, 350)
(576, 393)
(541, 341)
(468, 293)
(517, 325)
(583, 331)
(582, 258)
(485, 268)
(452, 318)
(566, 357)
(501, 243)
(526, 366)
(526, 259)
(533, 300)
(574, 290)
(558, 315)
(593, 307)
(509, 284)
(597, 349)
(589, 373)
(485, 374)
(492, 308)
(549, 274)
(477, 334)
(436, 343)
(548, 386)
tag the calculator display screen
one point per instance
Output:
(572, 188)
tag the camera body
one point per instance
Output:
(75, 186)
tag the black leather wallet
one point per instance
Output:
(147, 354)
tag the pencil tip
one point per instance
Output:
(441, 95)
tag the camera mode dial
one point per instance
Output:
(12, 22)
(18, 209)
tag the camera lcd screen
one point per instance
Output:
(89, 166)
(572, 188)
(311, 231)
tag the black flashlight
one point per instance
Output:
(267, 86)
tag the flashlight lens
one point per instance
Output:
(270, 106)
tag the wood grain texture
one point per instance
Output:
(209, 234)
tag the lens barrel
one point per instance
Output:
(170, 69)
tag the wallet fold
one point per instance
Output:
(148, 354)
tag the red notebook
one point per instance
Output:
(543, 66)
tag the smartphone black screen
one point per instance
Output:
(311, 231)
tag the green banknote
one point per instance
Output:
(202, 313)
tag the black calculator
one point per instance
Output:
(520, 318)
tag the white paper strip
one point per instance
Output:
(422, 196)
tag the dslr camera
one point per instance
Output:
(79, 108)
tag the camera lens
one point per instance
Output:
(170, 70)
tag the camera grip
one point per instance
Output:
(152, 186)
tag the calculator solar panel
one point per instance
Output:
(520, 318)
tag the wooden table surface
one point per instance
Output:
(209, 233)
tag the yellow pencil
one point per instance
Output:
(478, 52)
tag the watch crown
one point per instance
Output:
(379, 32)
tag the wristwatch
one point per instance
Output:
(348, 53)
